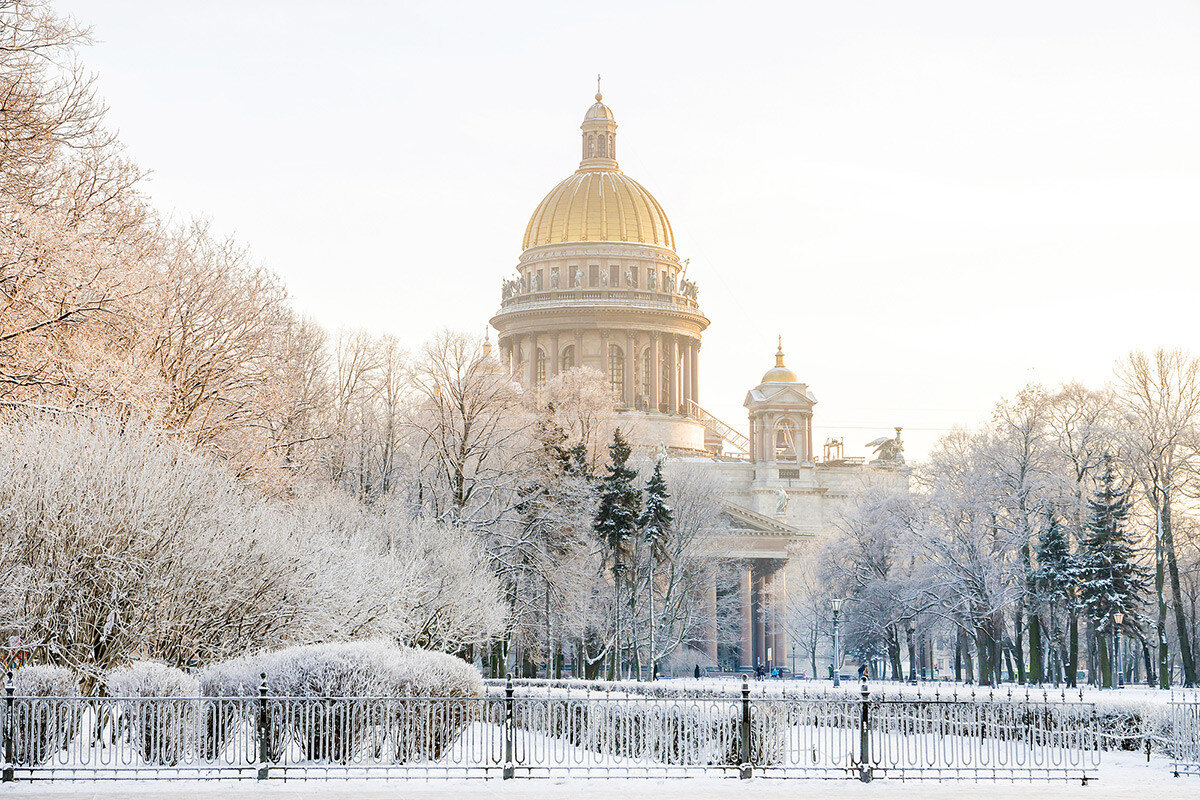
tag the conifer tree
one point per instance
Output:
(1110, 579)
(657, 516)
(1055, 578)
(655, 523)
(616, 523)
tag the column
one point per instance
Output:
(531, 363)
(760, 619)
(746, 656)
(578, 347)
(779, 601)
(694, 349)
(655, 369)
(506, 356)
(673, 355)
(685, 388)
(629, 356)
(552, 367)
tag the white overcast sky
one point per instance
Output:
(933, 202)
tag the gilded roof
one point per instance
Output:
(599, 206)
(599, 203)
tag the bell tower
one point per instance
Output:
(781, 410)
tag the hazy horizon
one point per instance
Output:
(932, 203)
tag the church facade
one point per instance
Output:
(600, 284)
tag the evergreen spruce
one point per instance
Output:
(1055, 581)
(1110, 579)
(657, 516)
(616, 527)
(1058, 569)
(617, 517)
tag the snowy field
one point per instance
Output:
(1125, 776)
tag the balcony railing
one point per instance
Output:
(589, 297)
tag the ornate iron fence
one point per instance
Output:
(1184, 745)
(531, 731)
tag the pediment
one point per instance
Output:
(760, 523)
(780, 396)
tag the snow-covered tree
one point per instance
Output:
(1111, 581)
(616, 527)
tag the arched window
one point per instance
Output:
(616, 370)
(591, 145)
(539, 367)
(787, 441)
(612, 145)
(567, 360)
(603, 146)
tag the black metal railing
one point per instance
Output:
(521, 730)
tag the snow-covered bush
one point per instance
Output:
(46, 714)
(150, 548)
(429, 711)
(157, 709)
(227, 688)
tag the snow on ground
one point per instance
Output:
(1125, 776)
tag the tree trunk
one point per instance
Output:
(1149, 662)
(1160, 627)
(912, 656)
(1181, 626)
(893, 646)
(1106, 671)
(1073, 645)
(1035, 650)
(1016, 645)
(984, 644)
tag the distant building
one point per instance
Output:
(599, 284)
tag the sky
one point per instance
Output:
(933, 203)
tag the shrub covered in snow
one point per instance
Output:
(324, 729)
(46, 714)
(157, 709)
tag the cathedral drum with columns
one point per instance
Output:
(599, 284)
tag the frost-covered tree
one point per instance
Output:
(1160, 400)
(616, 527)
(116, 540)
(1110, 579)
(1055, 582)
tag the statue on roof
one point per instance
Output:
(888, 450)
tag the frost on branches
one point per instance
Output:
(118, 542)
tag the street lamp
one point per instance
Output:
(1119, 619)
(836, 604)
(793, 661)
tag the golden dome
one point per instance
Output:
(779, 373)
(599, 206)
(599, 203)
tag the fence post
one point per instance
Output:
(509, 769)
(864, 736)
(264, 751)
(10, 729)
(746, 768)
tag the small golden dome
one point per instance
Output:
(599, 206)
(598, 110)
(779, 373)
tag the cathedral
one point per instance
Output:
(599, 284)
